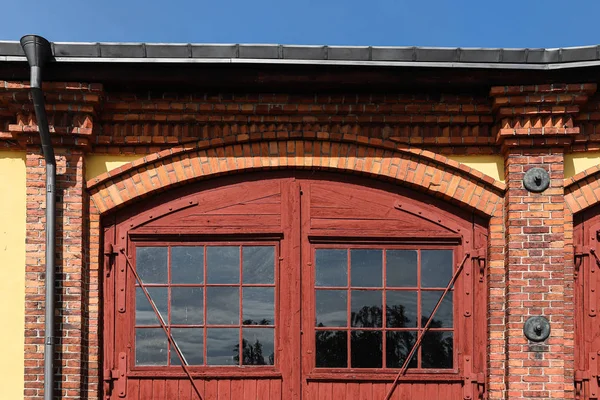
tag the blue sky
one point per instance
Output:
(463, 23)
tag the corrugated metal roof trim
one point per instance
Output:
(74, 50)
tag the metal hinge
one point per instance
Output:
(469, 379)
(480, 256)
(592, 389)
(578, 254)
(114, 379)
(110, 253)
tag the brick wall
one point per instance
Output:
(403, 138)
(71, 280)
(535, 275)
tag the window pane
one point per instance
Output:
(223, 305)
(150, 346)
(151, 264)
(398, 345)
(258, 306)
(187, 264)
(191, 343)
(443, 316)
(332, 308)
(258, 347)
(331, 267)
(401, 309)
(366, 349)
(366, 267)
(222, 346)
(366, 309)
(259, 264)
(332, 349)
(144, 313)
(223, 264)
(187, 305)
(401, 268)
(437, 350)
(436, 268)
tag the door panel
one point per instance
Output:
(298, 213)
(344, 215)
(587, 325)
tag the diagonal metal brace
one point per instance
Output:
(172, 342)
(426, 327)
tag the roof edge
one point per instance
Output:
(463, 57)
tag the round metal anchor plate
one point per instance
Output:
(537, 329)
(536, 180)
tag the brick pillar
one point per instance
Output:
(70, 278)
(536, 126)
(71, 110)
(534, 266)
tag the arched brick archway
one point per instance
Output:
(421, 170)
(583, 190)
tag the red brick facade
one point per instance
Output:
(398, 137)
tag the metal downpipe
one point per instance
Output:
(38, 52)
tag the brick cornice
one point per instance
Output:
(71, 108)
(538, 115)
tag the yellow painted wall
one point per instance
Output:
(96, 164)
(12, 282)
(578, 162)
(490, 165)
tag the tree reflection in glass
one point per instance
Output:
(331, 349)
(257, 347)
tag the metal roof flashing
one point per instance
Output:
(529, 59)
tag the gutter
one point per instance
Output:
(351, 63)
(38, 51)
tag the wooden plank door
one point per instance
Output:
(240, 307)
(587, 320)
(348, 312)
(301, 217)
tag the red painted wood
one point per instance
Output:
(311, 391)
(587, 328)
(250, 390)
(379, 390)
(366, 391)
(185, 389)
(108, 274)
(159, 389)
(262, 389)
(290, 300)
(172, 389)
(211, 389)
(146, 386)
(224, 389)
(133, 390)
(274, 390)
(352, 391)
(339, 390)
(237, 389)
(325, 390)
(330, 207)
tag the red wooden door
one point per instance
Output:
(201, 278)
(374, 264)
(280, 286)
(587, 326)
